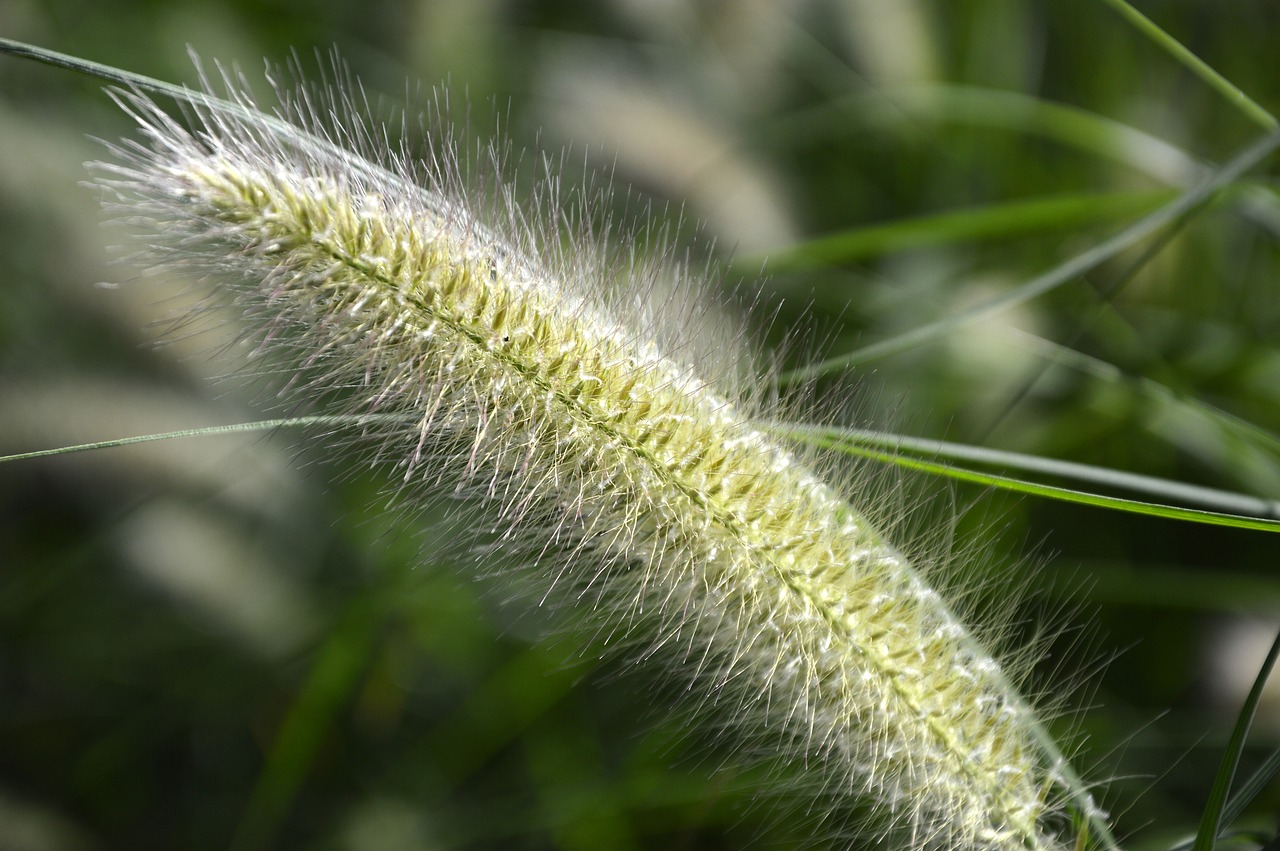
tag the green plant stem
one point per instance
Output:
(209, 431)
(1083, 262)
(1211, 820)
(1198, 66)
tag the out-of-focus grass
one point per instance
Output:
(230, 640)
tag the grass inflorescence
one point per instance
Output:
(498, 355)
(200, 650)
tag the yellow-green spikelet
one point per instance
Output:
(666, 506)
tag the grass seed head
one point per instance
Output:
(556, 378)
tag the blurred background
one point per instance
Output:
(233, 642)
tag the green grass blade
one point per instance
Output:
(851, 443)
(1198, 66)
(907, 107)
(332, 680)
(1215, 807)
(1063, 273)
(995, 221)
(1222, 501)
(1065, 124)
(182, 94)
(1070, 270)
(1259, 780)
(207, 431)
(1153, 390)
(88, 68)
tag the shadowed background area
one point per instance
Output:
(232, 641)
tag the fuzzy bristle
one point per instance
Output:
(669, 508)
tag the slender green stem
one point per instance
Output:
(993, 221)
(1056, 277)
(848, 445)
(1213, 499)
(1198, 66)
(1211, 821)
(207, 431)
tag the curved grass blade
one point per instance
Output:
(332, 679)
(207, 431)
(994, 221)
(239, 107)
(1215, 807)
(1063, 123)
(1151, 389)
(852, 443)
(1227, 502)
(1066, 124)
(1259, 780)
(1076, 266)
(1198, 66)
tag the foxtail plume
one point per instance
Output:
(521, 375)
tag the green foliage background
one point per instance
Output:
(231, 642)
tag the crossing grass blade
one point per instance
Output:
(1212, 818)
(1185, 204)
(919, 455)
(1198, 66)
